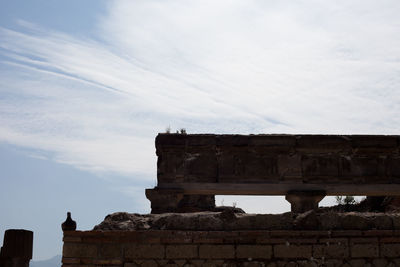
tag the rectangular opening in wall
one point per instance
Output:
(330, 201)
(255, 204)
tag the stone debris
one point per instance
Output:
(229, 220)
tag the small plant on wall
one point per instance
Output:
(345, 200)
(180, 131)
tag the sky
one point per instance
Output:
(85, 86)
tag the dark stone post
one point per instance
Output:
(302, 201)
(17, 248)
(165, 200)
(196, 203)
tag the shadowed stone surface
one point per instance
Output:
(227, 220)
(17, 248)
(186, 229)
(208, 158)
(191, 169)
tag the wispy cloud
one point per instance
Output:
(226, 66)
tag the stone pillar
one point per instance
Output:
(163, 201)
(17, 248)
(170, 200)
(302, 201)
(196, 203)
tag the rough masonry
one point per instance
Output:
(186, 229)
(350, 248)
(192, 169)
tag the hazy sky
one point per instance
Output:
(85, 86)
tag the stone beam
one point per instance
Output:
(193, 166)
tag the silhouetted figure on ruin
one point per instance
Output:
(69, 224)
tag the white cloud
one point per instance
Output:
(226, 66)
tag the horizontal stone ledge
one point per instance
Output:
(277, 189)
(214, 224)
(199, 236)
(301, 140)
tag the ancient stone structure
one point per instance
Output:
(17, 248)
(357, 248)
(191, 169)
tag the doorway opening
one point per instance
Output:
(255, 204)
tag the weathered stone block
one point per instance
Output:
(317, 166)
(201, 140)
(289, 167)
(364, 240)
(213, 263)
(334, 241)
(261, 168)
(171, 166)
(393, 165)
(195, 203)
(323, 144)
(107, 262)
(347, 233)
(272, 221)
(330, 251)
(173, 140)
(74, 250)
(380, 262)
(390, 250)
(358, 263)
(110, 250)
(216, 251)
(374, 142)
(292, 251)
(361, 166)
(382, 221)
(333, 263)
(396, 222)
(197, 263)
(149, 263)
(232, 140)
(200, 167)
(364, 250)
(181, 251)
(180, 263)
(352, 221)
(274, 143)
(162, 201)
(142, 251)
(231, 166)
(254, 251)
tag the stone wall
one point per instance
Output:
(236, 248)
(344, 159)
(192, 169)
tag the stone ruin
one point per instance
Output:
(17, 248)
(185, 228)
(191, 169)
